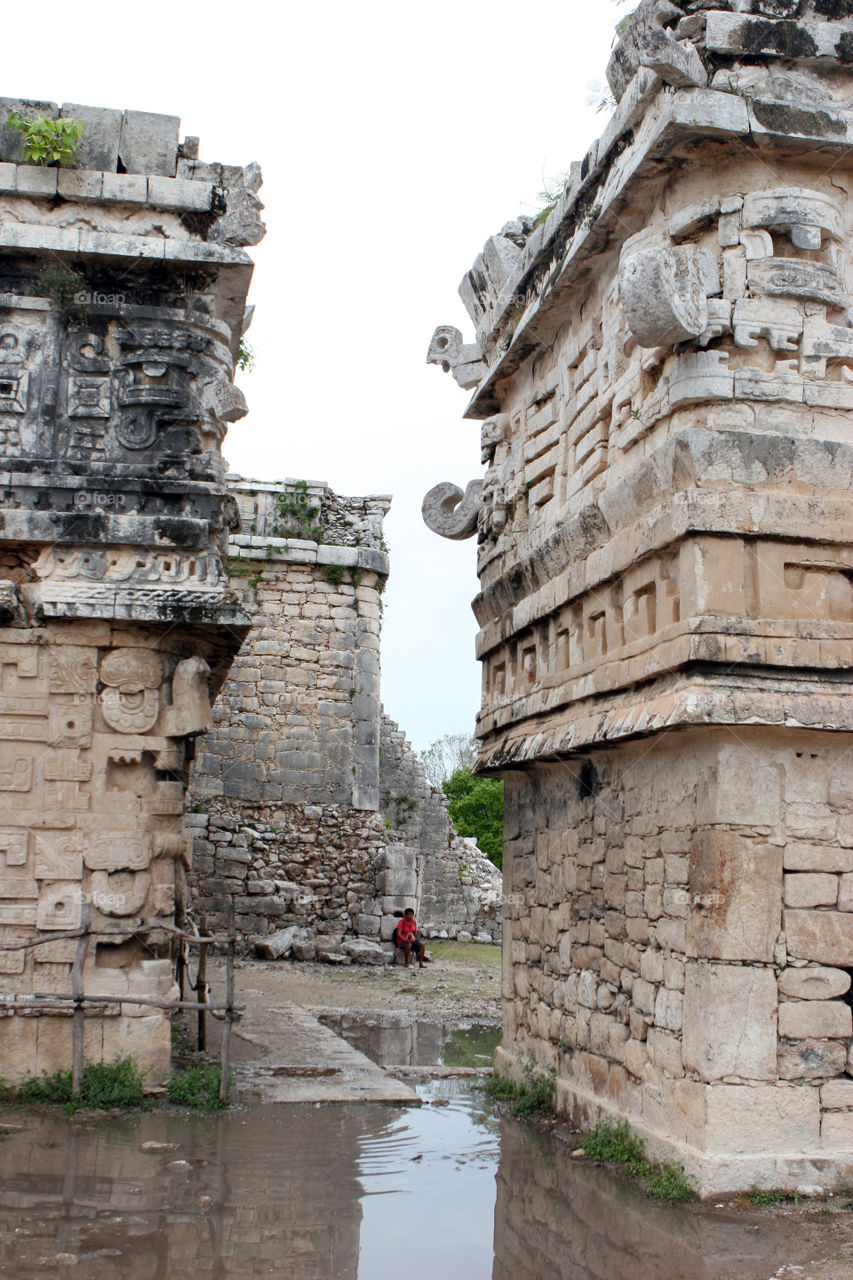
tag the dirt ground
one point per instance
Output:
(462, 981)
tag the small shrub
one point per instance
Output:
(196, 1087)
(245, 357)
(765, 1198)
(534, 1096)
(671, 1184)
(45, 1088)
(47, 141)
(615, 1144)
(334, 574)
(104, 1084)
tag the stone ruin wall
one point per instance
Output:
(123, 284)
(459, 887)
(664, 371)
(300, 824)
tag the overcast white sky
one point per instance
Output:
(394, 139)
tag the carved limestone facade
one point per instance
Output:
(666, 603)
(122, 293)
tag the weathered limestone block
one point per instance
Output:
(730, 1022)
(741, 1117)
(823, 936)
(811, 1059)
(736, 889)
(815, 1019)
(813, 983)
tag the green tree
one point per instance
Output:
(476, 808)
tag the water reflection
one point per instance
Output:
(399, 1040)
(557, 1219)
(254, 1193)
(356, 1192)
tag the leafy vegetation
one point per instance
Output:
(245, 357)
(103, 1085)
(615, 1144)
(196, 1087)
(299, 514)
(67, 289)
(766, 1199)
(47, 141)
(476, 808)
(533, 1096)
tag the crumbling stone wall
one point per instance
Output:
(314, 814)
(663, 373)
(459, 888)
(117, 623)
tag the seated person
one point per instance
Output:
(406, 937)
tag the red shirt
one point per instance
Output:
(407, 929)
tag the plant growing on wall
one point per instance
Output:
(67, 290)
(299, 515)
(245, 357)
(46, 141)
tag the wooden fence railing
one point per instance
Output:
(78, 1001)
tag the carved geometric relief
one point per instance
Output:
(59, 855)
(60, 905)
(117, 850)
(13, 391)
(88, 397)
(16, 773)
(11, 961)
(819, 590)
(72, 669)
(14, 847)
(70, 724)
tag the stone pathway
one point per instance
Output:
(282, 1053)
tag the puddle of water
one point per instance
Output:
(355, 1192)
(398, 1040)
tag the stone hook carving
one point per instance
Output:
(464, 361)
(451, 513)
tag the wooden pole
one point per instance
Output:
(229, 1018)
(78, 1022)
(200, 990)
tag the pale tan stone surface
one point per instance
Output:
(837, 1094)
(824, 936)
(751, 1118)
(815, 1019)
(814, 983)
(811, 890)
(836, 1130)
(730, 1022)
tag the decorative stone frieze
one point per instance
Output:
(119, 326)
(665, 608)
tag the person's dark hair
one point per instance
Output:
(410, 911)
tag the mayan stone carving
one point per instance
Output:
(121, 312)
(665, 552)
